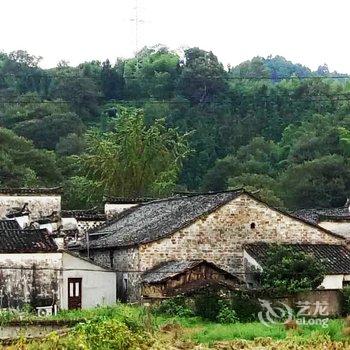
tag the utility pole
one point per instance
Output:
(137, 21)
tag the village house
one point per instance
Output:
(27, 205)
(211, 227)
(34, 267)
(33, 270)
(335, 260)
(336, 220)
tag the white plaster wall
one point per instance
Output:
(50, 227)
(340, 227)
(69, 223)
(23, 221)
(16, 271)
(332, 282)
(39, 206)
(251, 261)
(98, 284)
(113, 209)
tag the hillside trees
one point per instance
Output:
(23, 165)
(257, 125)
(132, 159)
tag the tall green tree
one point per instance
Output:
(133, 159)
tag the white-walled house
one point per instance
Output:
(34, 271)
(33, 203)
(334, 258)
(336, 220)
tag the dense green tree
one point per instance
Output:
(322, 182)
(288, 271)
(112, 80)
(203, 77)
(252, 125)
(133, 159)
(79, 90)
(23, 165)
(47, 131)
(152, 73)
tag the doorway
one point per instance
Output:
(74, 293)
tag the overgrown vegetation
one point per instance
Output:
(134, 327)
(211, 306)
(288, 271)
(255, 125)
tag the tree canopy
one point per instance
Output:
(267, 124)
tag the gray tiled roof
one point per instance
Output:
(26, 241)
(158, 219)
(334, 258)
(9, 225)
(168, 270)
(314, 216)
(84, 215)
(31, 191)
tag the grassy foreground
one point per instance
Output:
(125, 327)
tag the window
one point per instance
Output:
(125, 282)
(252, 225)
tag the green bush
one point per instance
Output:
(6, 316)
(346, 300)
(207, 305)
(97, 334)
(177, 306)
(226, 312)
(246, 306)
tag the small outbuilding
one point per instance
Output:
(181, 277)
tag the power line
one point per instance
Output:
(137, 20)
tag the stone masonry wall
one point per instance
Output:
(220, 236)
(126, 263)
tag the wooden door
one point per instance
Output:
(74, 293)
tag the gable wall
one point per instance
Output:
(220, 236)
(39, 206)
(340, 227)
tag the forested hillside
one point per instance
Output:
(160, 123)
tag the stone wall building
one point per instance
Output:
(213, 227)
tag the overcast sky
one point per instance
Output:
(311, 32)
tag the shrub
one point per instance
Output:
(226, 313)
(289, 271)
(207, 305)
(6, 316)
(246, 306)
(98, 334)
(177, 306)
(346, 300)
